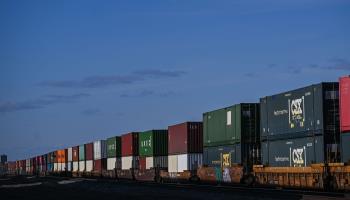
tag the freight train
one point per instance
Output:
(299, 138)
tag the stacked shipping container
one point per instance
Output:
(70, 159)
(114, 151)
(89, 157)
(301, 127)
(185, 147)
(344, 89)
(82, 163)
(100, 156)
(153, 149)
(231, 136)
(75, 158)
(130, 151)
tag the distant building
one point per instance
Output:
(3, 159)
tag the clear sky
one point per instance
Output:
(72, 72)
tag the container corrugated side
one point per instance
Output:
(113, 163)
(82, 166)
(183, 162)
(82, 152)
(311, 110)
(185, 138)
(75, 166)
(70, 154)
(299, 152)
(89, 151)
(153, 143)
(75, 152)
(100, 149)
(225, 126)
(130, 144)
(129, 162)
(345, 144)
(89, 165)
(344, 89)
(114, 147)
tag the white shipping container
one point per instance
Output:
(70, 154)
(75, 166)
(100, 149)
(130, 162)
(182, 162)
(172, 163)
(81, 166)
(158, 161)
(69, 166)
(89, 165)
(55, 167)
(28, 163)
(149, 162)
(114, 163)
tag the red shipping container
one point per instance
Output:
(75, 153)
(130, 144)
(89, 151)
(100, 165)
(185, 138)
(344, 87)
(142, 163)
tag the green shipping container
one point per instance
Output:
(235, 124)
(114, 147)
(81, 152)
(153, 143)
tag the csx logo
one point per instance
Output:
(298, 157)
(296, 108)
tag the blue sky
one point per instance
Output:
(76, 71)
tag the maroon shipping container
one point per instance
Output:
(142, 163)
(100, 165)
(185, 138)
(344, 87)
(130, 144)
(89, 151)
(75, 153)
(55, 156)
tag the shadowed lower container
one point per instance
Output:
(185, 138)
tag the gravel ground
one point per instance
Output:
(65, 188)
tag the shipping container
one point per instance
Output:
(235, 124)
(82, 167)
(114, 163)
(70, 154)
(114, 148)
(130, 144)
(345, 144)
(75, 166)
(100, 149)
(69, 166)
(129, 162)
(100, 165)
(184, 162)
(153, 162)
(308, 111)
(62, 156)
(82, 152)
(223, 156)
(185, 138)
(344, 88)
(89, 165)
(75, 152)
(296, 152)
(89, 151)
(153, 143)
